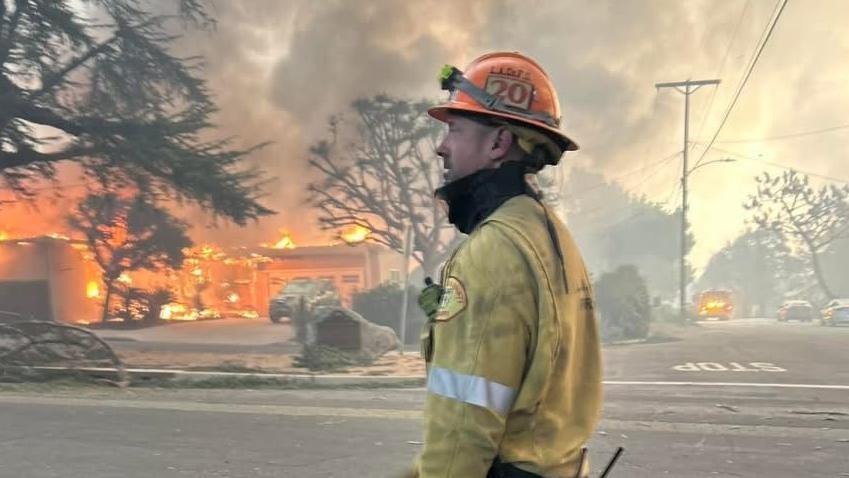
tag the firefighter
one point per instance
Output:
(511, 342)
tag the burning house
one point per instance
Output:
(48, 278)
(351, 268)
(55, 278)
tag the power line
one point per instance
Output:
(722, 67)
(784, 136)
(624, 175)
(783, 166)
(601, 226)
(673, 196)
(746, 77)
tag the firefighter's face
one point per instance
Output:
(466, 147)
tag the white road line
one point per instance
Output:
(230, 408)
(728, 384)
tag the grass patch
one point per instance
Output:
(328, 359)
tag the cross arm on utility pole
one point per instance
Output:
(676, 84)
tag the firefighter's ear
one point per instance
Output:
(502, 141)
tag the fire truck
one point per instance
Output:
(715, 304)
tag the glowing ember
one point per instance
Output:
(56, 235)
(233, 298)
(355, 234)
(125, 279)
(4, 236)
(174, 311)
(92, 289)
(285, 241)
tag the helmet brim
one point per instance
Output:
(441, 112)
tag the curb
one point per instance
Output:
(195, 377)
(626, 342)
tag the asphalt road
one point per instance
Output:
(782, 411)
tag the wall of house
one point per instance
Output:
(22, 261)
(63, 269)
(390, 266)
(352, 269)
(347, 276)
(69, 277)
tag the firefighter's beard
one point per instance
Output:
(472, 198)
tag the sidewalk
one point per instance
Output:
(259, 350)
(390, 364)
(235, 346)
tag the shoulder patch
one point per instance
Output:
(453, 301)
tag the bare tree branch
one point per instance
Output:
(382, 177)
(789, 206)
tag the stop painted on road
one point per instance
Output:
(728, 367)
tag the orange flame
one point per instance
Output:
(285, 241)
(4, 236)
(175, 311)
(355, 234)
(92, 289)
(172, 312)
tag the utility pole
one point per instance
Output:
(686, 88)
(408, 250)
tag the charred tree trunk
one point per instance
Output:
(107, 300)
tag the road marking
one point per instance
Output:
(728, 384)
(732, 367)
(729, 429)
(725, 429)
(253, 409)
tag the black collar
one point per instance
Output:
(473, 198)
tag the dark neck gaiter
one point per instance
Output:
(473, 198)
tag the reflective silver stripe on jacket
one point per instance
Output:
(471, 389)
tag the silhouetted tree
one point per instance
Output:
(615, 228)
(93, 83)
(381, 176)
(760, 265)
(127, 234)
(812, 218)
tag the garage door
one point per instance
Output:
(30, 299)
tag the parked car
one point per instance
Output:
(836, 312)
(314, 293)
(800, 310)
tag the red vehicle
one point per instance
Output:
(800, 310)
(715, 304)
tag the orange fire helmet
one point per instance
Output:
(505, 85)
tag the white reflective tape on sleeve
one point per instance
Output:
(471, 389)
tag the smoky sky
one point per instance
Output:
(279, 68)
